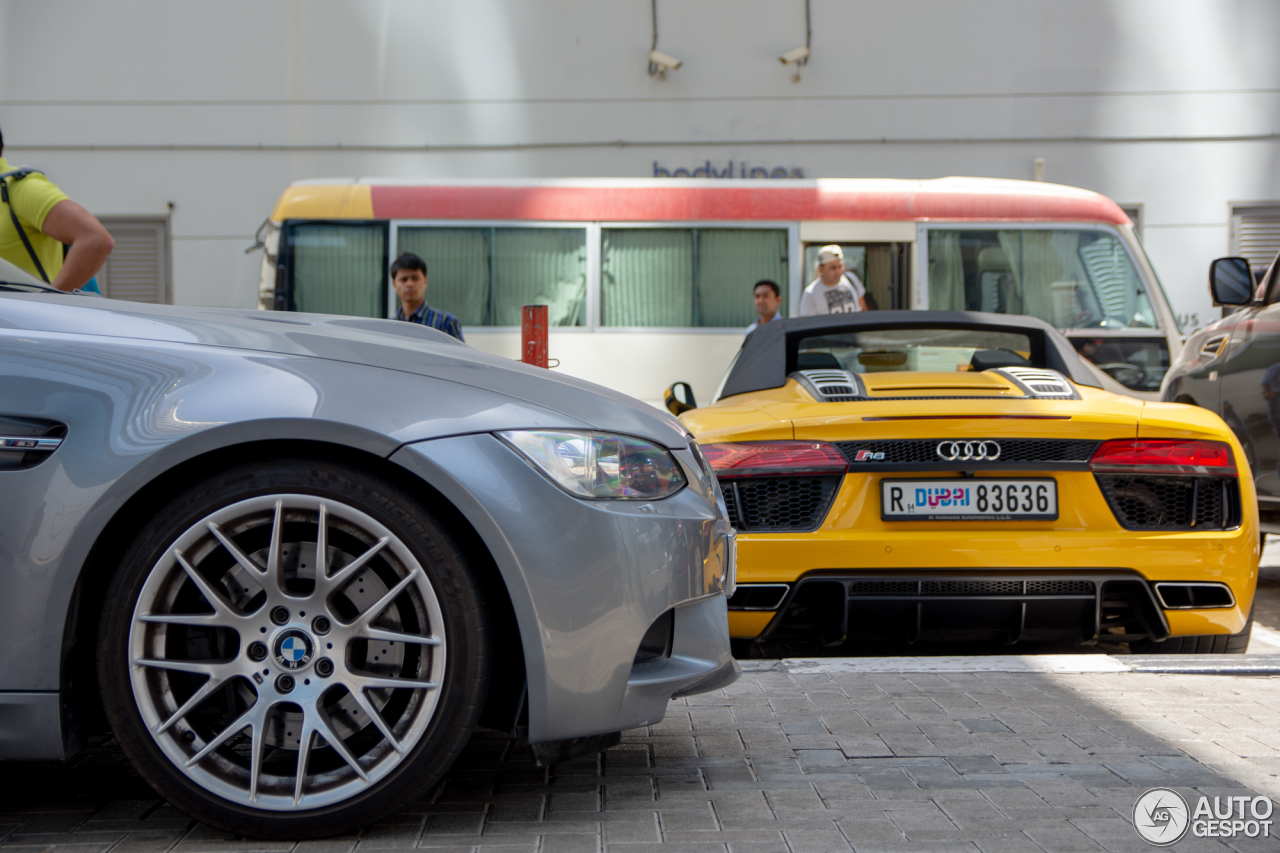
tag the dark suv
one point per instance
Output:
(1232, 367)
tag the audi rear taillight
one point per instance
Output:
(756, 458)
(1165, 456)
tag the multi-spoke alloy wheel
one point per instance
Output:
(286, 653)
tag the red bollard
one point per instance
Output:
(533, 335)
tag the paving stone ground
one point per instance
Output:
(777, 763)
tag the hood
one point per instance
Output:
(881, 386)
(387, 344)
(1002, 383)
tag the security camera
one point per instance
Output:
(666, 63)
(797, 56)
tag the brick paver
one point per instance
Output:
(794, 763)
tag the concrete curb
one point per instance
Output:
(1081, 663)
(1205, 664)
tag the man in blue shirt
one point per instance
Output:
(409, 278)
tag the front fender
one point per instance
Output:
(135, 410)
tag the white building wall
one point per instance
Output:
(213, 108)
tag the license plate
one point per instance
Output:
(969, 499)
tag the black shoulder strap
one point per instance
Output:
(20, 173)
(17, 175)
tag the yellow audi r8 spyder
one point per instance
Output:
(909, 475)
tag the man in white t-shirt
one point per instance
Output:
(834, 291)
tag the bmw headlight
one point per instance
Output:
(600, 466)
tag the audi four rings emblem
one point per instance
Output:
(969, 451)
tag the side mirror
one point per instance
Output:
(1231, 282)
(679, 398)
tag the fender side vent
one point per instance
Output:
(26, 442)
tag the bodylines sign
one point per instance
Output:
(741, 169)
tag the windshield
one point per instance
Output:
(1070, 278)
(946, 350)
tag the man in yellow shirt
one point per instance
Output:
(49, 219)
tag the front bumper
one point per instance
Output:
(691, 668)
(587, 579)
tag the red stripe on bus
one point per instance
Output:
(646, 204)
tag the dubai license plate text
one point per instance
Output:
(969, 499)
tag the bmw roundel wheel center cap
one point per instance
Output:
(293, 649)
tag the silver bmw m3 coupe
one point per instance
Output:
(292, 561)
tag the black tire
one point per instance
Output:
(441, 720)
(1201, 644)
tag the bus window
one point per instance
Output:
(484, 275)
(1070, 278)
(681, 277)
(338, 268)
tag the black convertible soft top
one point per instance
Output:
(769, 353)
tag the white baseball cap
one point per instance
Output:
(827, 254)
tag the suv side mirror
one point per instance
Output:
(679, 398)
(1231, 282)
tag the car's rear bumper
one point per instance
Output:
(979, 549)
(1009, 607)
(1225, 559)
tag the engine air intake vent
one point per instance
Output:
(831, 386)
(1150, 502)
(1040, 383)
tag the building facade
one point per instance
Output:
(181, 124)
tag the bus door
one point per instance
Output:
(878, 253)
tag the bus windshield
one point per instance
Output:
(1070, 278)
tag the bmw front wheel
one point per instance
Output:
(291, 649)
